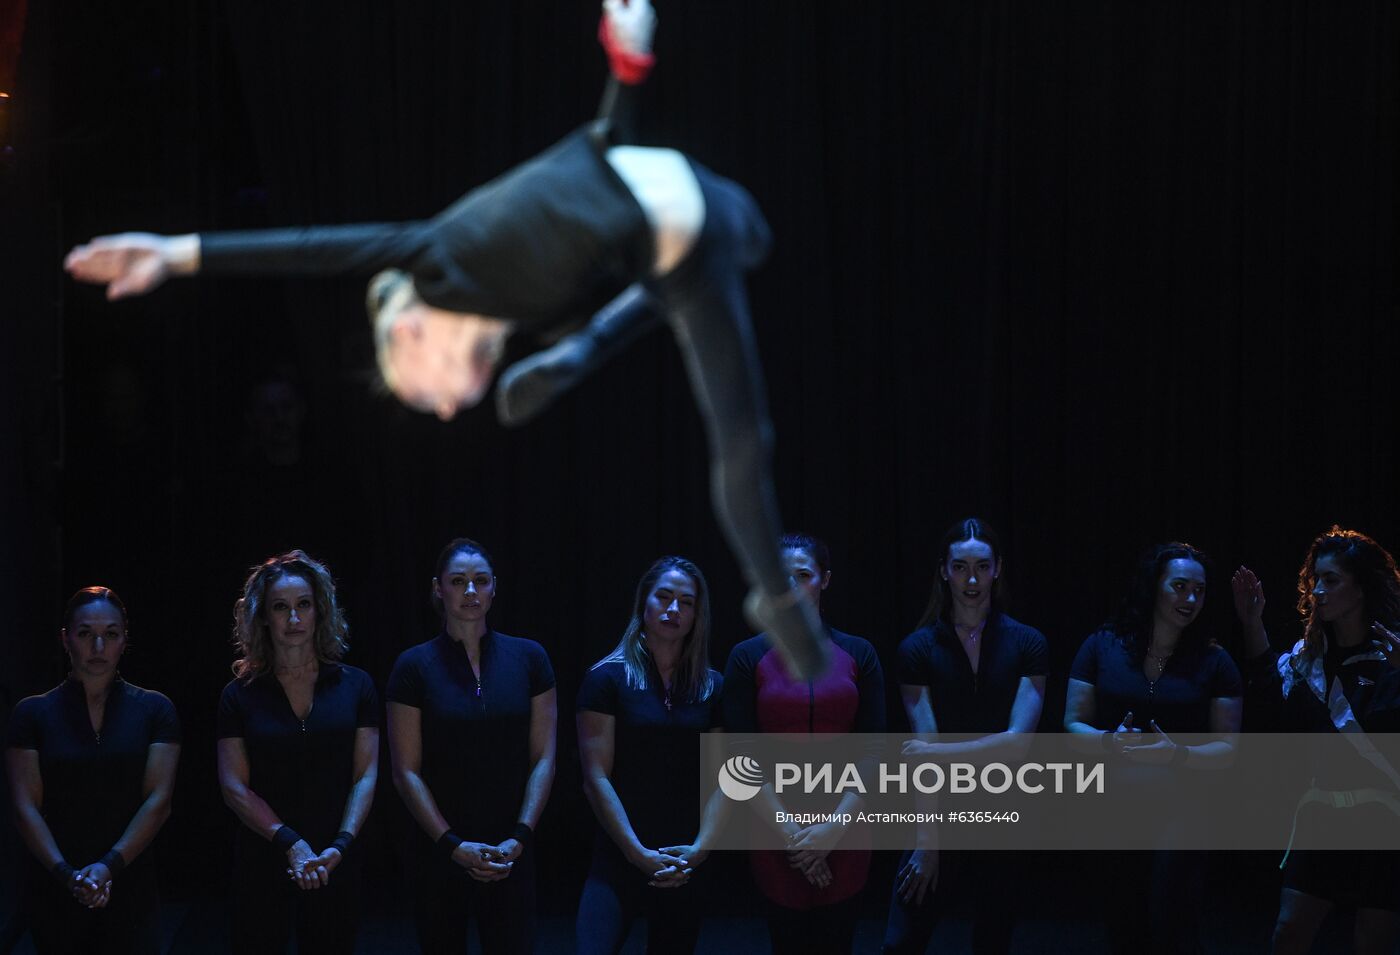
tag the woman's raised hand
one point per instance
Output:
(1388, 642)
(1249, 596)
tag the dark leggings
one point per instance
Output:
(268, 908)
(446, 897)
(705, 303)
(128, 925)
(1153, 901)
(973, 876)
(824, 930)
(617, 893)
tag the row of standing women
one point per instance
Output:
(471, 718)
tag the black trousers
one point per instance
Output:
(128, 925)
(1154, 900)
(616, 894)
(447, 899)
(824, 930)
(268, 908)
(966, 880)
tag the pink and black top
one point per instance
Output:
(761, 697)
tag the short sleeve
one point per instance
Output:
(541, 673)
(716, 701)
(1225, 678)
(406, 680)
(912, 661)
(740, 699)
(231, 719)
(23, 731)
(870, 713)
(598, 694)
(366, 702)
(1086, 662)
(1035, 653)
(165, 721)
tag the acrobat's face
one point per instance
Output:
(443, 361)
(970, 570)
(95, 639)
(670, 609)
(1181, 593)
(806, 574)
(290, 611)
(1335, 593)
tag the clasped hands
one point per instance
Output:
(309, 870)
(670, 867)
(92, 886)
(808, 848)
(485, 862)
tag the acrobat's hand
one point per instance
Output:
(630, 25)
(133, 263)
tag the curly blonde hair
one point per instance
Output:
(251, 634)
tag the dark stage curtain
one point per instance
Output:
(1105, 274)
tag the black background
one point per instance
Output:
(1104, 274)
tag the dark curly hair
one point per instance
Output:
(250, 631)
(1368, 562)
(1133, 622)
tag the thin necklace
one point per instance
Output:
(1161, 661)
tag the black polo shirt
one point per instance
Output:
(656, 750)
(93, 785)
(1179, 700)
(302, 769)
(476, 736)
(967, 702)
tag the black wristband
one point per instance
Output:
(342, 841)
(285, 837)
(523, 834)
(62, 873)
(114, 862)
(448, 842)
